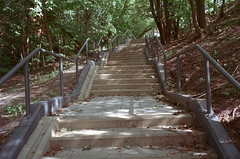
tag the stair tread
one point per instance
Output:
(145, 66)
(129, 84)
(127, 132)
(129, 117)
(135, 152)
(122, 90)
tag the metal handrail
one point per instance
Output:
(123, 35)
(207, 59)
(25, 62)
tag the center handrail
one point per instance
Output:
(122, 35)
(207, 59)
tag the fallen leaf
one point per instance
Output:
(127, 147)
(87, 147)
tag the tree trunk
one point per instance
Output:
(28, 34)
(48, 32)
(64, 44)
(21, 43)
(144, 31)
(124, 8)
(40, 45)
(176, 28)
(222, 14)
(157, 20)
(87, 16)
(160, 17)
(58, 45)
(194, 18)
(11, 53)
(168, 20)
(201, 16)
(1, 55)
(78, 20)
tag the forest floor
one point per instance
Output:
(222, 41)
(44, 84)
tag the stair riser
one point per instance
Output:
(165, 140)
(123, 64)
(139, 57)
(126, 67)
(98, 124)
(127, 61)
(126, 53)
(122, 76)
(126, 81)
(124, 93)
(126, 71)
(109, 87)
(130, 58)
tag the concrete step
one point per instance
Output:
(125, 92)
(136, 152)
(126, 136)
(120, 63)
(127, 56)
(143, 60)
(125, 67)
(126, 86)
(130, 121)
(127, 128)
(140, 71)
(124, 76)
(124, 57)
(126, 81)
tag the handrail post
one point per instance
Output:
(101, 45)
(61, 75)
(27, 89)
(117, 40)
(148, 51)
(178, 74)
(158, 52)
(93, 51)
(77, 70)
(87, 53)
(152, 50)
(165, 68)
(112, 44)
(208, 87)
(107, 44)
(153, 31)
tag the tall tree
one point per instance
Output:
(168, 19)
(48, 32)
(158, 18)
(194, 18)
(222, 14)
(201, 16)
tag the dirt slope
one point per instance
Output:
(222, 41)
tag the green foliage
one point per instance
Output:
(227, 91)
(14, 110)
(50, 76)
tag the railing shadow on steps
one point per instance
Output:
(12, 148)
(223, 151)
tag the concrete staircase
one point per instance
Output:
(126, 128)
(127, 73)
(131, 125)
